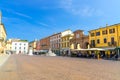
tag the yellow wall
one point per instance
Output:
(2, 38)
(33, 45)
(108, 36)
(65, 41)
(9, 44)
(3, 32)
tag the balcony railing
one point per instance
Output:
(112, 43)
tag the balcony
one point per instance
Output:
(112, 43)
(109, 44)
(92, 45)
(115, 43)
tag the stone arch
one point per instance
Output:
(86, 44)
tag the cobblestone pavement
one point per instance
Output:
(23, 67)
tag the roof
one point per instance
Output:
(105, 27)
(78, 30)
(55, 34)
(20, 41)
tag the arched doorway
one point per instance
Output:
(86, 45)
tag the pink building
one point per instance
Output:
(55, 40)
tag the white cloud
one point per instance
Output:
(75, 7)
(17, 13)
(14, 21)
(23, 15)
(43, 24)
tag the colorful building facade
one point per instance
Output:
(3, 36)
(80, 38)
(33, 44)
(55, 41)
(66, 36)
(38, 46)
(108, 36)
(20, 46)
(45, 43)
(9, 45)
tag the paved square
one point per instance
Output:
(23, 67)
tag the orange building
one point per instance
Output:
(45, 43)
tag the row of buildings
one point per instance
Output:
(61, 42)
(107, 37)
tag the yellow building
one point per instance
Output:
(65, 39)
(9, 45)
(3, 35)
(33, 44)
(108, 37)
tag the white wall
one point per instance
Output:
(67, 32)
(20, 47)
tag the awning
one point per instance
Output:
(40, 50)
(65, 49)
(93, 49)
(117, 48)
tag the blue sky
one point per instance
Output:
(36, 19)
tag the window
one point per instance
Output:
(19, 47)
(112, 30)
(15, 43)
(15, 48)
(112, 40)
(77, 35)
(97, 33)
(67, 44)
(92, 43)
(98, 41)
(59, 40)
(105, 40)
(104, 32)
(92, 34)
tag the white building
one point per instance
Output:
(20, 46)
